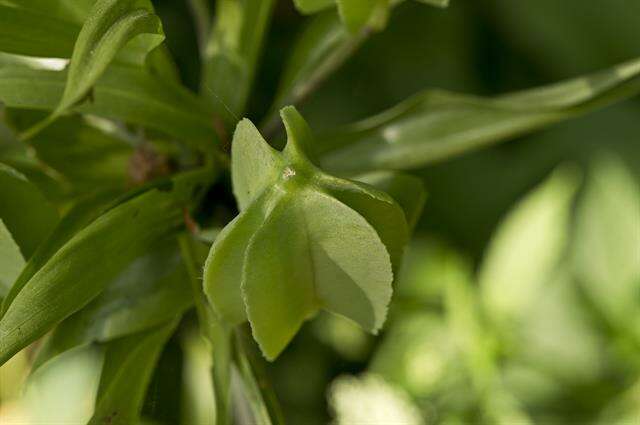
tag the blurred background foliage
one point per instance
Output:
(519, 301)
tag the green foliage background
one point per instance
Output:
(563, 347)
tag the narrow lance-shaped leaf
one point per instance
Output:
(332, 242)
(78, 272)
(151, 291)
(128, 366)
(437, 125)
(123, 93)
(232, 53)
(110, 26)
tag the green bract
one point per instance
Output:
(304, 241)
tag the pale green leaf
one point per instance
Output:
(128, 94)
(78, 272)
(255, 164)
(25, 211)
(607, 240)
(11, 260)
(223, 269)
(528, 247)
(436, 125)
(232, 53)
(358, 14)
(197, 384)
(64, 389)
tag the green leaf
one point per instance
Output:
(64, 389)
(607, 240)
(408, 191)
(34, 32)
(128, 367)
(151, 291)
(197, 391)
(26, 213)
(123, 93)
(78, 272)
(11, 260)
(78, 217)
(313, 6)
(83, 156)
(232, 53)
(256, 164)
(527, 248)
(330, 242)
(110, 26)
(436, 125)
(358, 14)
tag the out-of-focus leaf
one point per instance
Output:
(64, 389)
(346, 237)
(324, 45)
(111, 24)
(437, 125)
(84, 155)
(34, 33)
(527, 248)
(78, 272)
(128, 94)
(11, 260)
(151, 291)
(232, 53)
(313, 6)
(369, 399)
(198, 396)
(128, 367)
(69, 11)
(26, 213)
(408, 191)
(607, 244)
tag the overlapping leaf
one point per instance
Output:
(26, 213)
(11, 260)
(437, 125)
(82, 267)
(123, 93)
(330, 242)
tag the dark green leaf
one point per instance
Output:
(128, 366)
(26, 213)
(78, 272)
(232, 53)
(437, 125)
(11, 260)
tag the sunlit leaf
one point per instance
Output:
(607, 244)
(197, 393)
(436, 125)
(528, 247)
(77, 272)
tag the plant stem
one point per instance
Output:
(332, 63)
